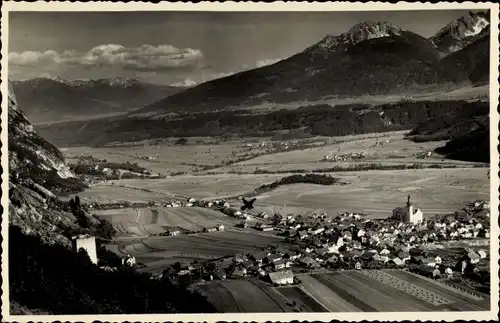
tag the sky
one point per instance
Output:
(180, 48)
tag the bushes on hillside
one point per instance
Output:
(57, 280)
(319, 179)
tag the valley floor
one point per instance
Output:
(440, 189)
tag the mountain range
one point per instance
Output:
(55, 99)
(372, 58)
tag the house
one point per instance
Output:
(416, 252)
(318, 231)
(292, 255)
(281, 264)
(302, 235)
(472, 257)
(259, 257)
(384, 252)
(408, 214)
(219, 274)
(448, 271)
(184, 272)
(357, 266)
(273, 258)
(482, 254)
(367, 255)
(239, 272)
(381, 258)
(173, 232)
(436, 273)
(210, 229)
(333, 259)
(309, 262)
(429, 262)
(354, 253)
(347, 235)
(282, 277)
(321, 251)
(397, 261)
(220, 228)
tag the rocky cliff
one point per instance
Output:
(37, 170)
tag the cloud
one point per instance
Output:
(187, 82)
(144, 58)
(265, 62)
(192, 82)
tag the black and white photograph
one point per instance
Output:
(245, 161)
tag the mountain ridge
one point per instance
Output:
(369, 59)
(461, 32)
(47, 99)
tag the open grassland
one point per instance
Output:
(157, 253)
(392, 149)
(434, 191)
(142, 222)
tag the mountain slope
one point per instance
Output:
(37, 169)
(45, 275)
(473, 61)
(54, 99)
(461, 32)
(370, 59)
(472, 146)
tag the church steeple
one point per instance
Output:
(408, 203)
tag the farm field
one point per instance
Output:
(159, 252)
(376, 192)
(200, 187)
(434, 191)
(348, 291)
(389, 149)
(243, 296)
(166, 158)
(142, 222)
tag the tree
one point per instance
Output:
(181, 141)
(77, 202)
(72, 205)
(177, 266)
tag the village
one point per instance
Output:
(453, 246)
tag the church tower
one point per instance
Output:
(409, 207)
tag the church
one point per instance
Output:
(408, 213)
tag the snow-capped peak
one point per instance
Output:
(461, 32)
(358, 33)
(477, 27)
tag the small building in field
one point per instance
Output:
(282, 277)
(174, 232)
(220, 228)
